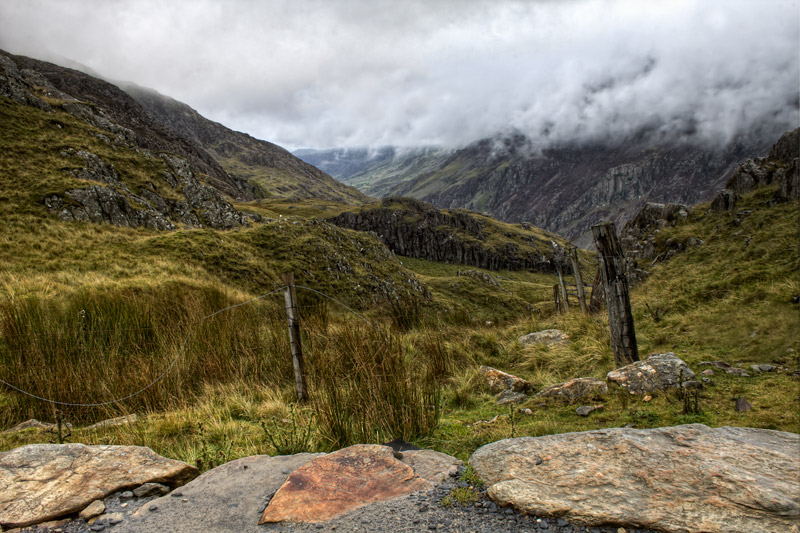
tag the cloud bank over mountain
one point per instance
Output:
(370, 73)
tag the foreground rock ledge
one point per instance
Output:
(684, 478)
(41, 482)
(339, 482)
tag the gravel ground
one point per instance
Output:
(422, 511)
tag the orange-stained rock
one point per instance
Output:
(341, 481)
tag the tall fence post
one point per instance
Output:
(576, 269)
(615, 284)
(294, 336)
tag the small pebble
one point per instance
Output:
(562, 523)
(153, 507)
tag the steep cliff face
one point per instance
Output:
(417, 229)
(272, 170)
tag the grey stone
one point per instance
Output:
(736, 371)
(657, 372)
(576, 389)
(585, 410)
(654, 478)
(547, 337)
(150, 489)
(743, 405)
(510, 397)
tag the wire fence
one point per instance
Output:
(181, 352)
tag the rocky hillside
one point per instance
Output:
(417, 229)
(107, 107)
(563, 189)
(85, 150)
(641, 235)
(272, 170)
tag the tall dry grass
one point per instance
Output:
(95, 346)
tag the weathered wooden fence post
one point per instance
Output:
(557, 298)
(576, 269)
(615, 284)
(294, 336)
(564, 300)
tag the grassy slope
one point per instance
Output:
(722, 301)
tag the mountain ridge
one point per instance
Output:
(564, 188)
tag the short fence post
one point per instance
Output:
(294, 336)
(557, 298)
(564, 300)
(615, 282)
(576, 268)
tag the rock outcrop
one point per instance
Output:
(46, 481)
(658, 372)
(116, 204)
(779, 167)
(417, 229)
(685, 478)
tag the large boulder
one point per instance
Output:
(576, 389)
(658, 372)
(500, 381)
(684, 478)
(42, 482)
(342, 481)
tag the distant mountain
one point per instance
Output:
(375, 172)
(273, 171)
(563, 189)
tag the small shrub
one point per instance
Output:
(296, 438)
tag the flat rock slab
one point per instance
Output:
(41, 482)
(684, 478)
(658, 372)
(334, 484)
(227, 499)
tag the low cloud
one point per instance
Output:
(364, 73)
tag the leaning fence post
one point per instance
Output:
(576, 269)
(615, 284)
(294, 336)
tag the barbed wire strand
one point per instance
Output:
(359, 315)
(159, 378)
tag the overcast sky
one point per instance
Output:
(326, 73)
